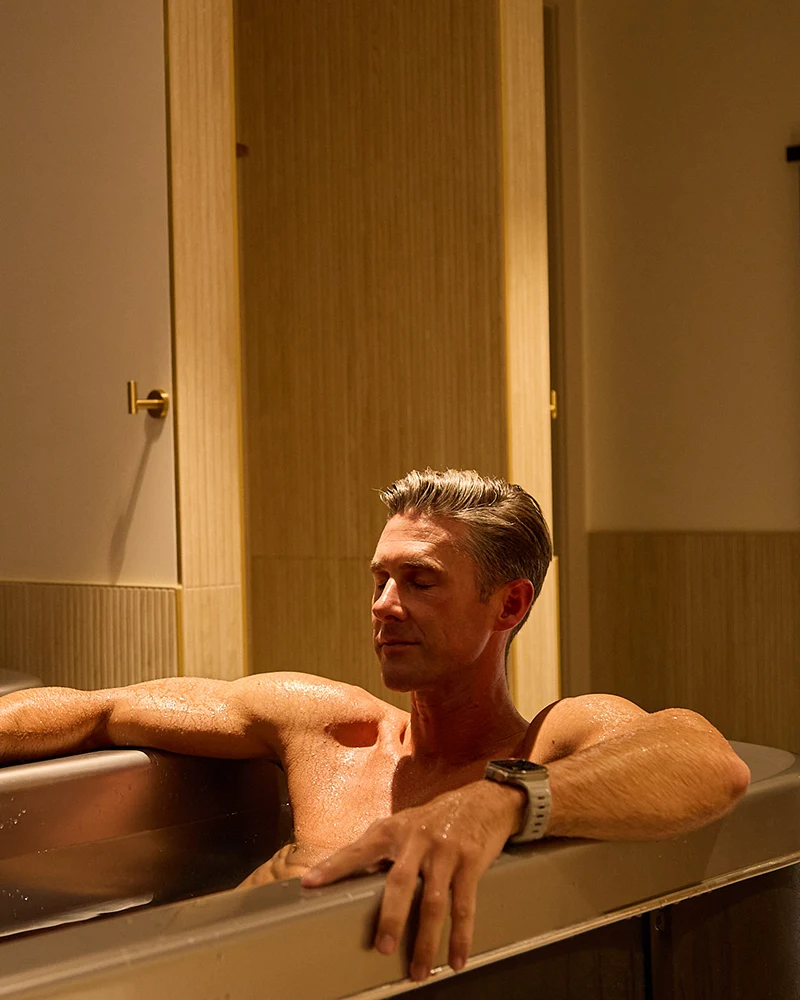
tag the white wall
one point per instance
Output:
(87, 492)
(691, 263)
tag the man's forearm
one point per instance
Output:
(669, 774)
(46, 722)
(191, 715)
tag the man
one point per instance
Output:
(456, 571)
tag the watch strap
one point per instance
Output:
(536, 786)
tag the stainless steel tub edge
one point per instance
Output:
(280, 940)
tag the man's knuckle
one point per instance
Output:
(383, 834)
(400, 873)
(463, 910)
(383, 827)
(471, 854)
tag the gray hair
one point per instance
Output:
(507, 535)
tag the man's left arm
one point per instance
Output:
(622, 774)
(615, 773)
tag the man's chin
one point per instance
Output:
(397, 673)
(395, 681)
(397, 688)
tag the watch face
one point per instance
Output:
(518, 766)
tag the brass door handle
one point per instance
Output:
(156, 404)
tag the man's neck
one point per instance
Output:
(461, 724)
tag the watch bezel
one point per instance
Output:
(517, 765)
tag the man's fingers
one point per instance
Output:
(401, 884)
(462, 914)
(433, 909)
(370, 850)
(450, 871)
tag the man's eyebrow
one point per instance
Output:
(425, 564)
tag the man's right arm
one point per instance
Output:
(250, 717)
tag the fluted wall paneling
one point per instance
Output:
(88, 636)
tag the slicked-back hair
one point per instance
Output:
(507, 534)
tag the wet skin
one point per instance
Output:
(371, 784)
(432, 635)
(354, 773)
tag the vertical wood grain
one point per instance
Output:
(86, 636)
(394, 294)
(535, 651)
(206, 335)
(708, 621)
(372, 265)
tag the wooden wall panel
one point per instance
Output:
(373, 277)
(206, 335)
(339, 590)
(88, 637)
(211, 621)
(535, 650)
(708, 621)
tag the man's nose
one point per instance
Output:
(387, 605)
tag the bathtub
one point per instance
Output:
(119, 831)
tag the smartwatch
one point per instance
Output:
(533, 779)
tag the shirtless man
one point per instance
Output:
(456, 570)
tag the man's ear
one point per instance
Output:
(517, 597)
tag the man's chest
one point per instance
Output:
(337, 792)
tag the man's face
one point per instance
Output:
(427, 618)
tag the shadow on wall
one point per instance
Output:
(119, 538)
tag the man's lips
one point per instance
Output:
(396, 642)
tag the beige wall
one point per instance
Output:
(690, 314)
(690, 254)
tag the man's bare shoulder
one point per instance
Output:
(311, 701)
(573, 724)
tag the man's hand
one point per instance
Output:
(450, 842)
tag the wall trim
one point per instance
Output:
(207, 363)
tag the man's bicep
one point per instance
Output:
(254, 716)
(196, 715)
(574, 724)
